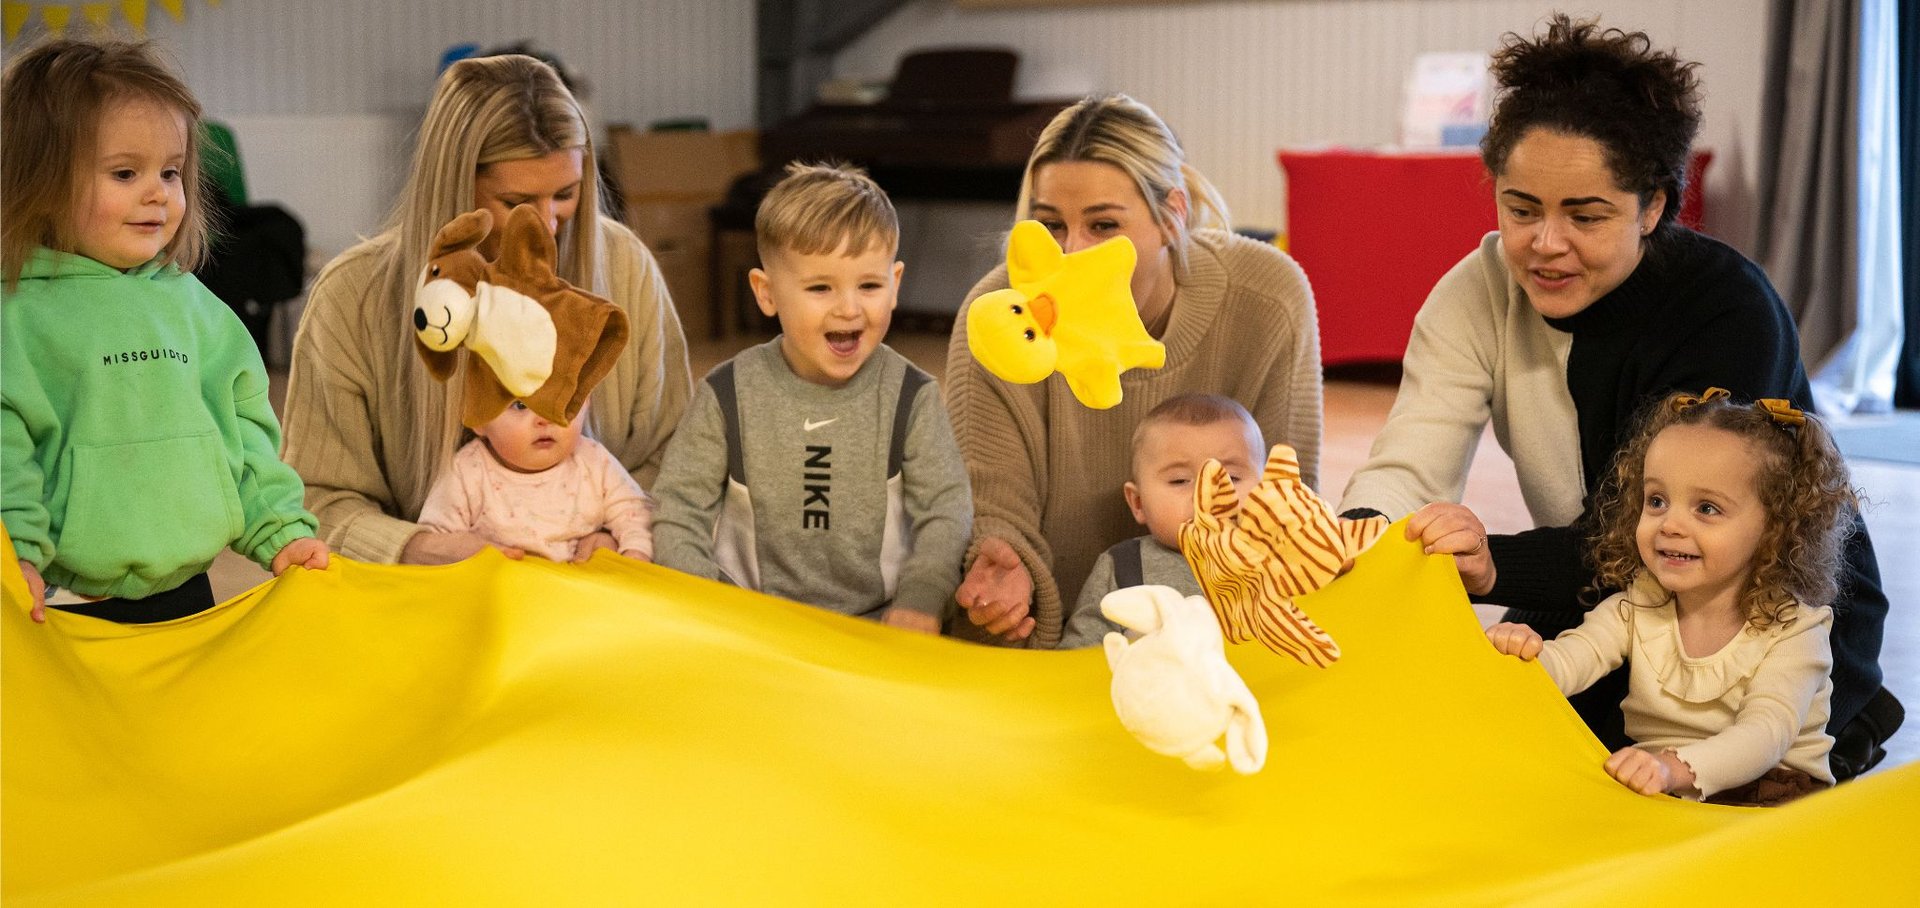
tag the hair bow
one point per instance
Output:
(1681, 403)
(1782, 413)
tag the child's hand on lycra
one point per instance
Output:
(434, 547)
(1452, 529)
(307, 552)
(585, 546)
(910, 620)
(1515, 640)
(38, 587)
(1649, 773)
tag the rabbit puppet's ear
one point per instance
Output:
(1140, 608)
(463, 232)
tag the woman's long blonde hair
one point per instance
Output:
(1125, 133)
(484, 111)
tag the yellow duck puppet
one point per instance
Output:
(1073, 314)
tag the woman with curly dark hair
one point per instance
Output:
(1722, 523)
(1588, 302)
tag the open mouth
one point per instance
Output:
(1677, 557)
(843, 343)
(1547, 277)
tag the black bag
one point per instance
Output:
(257, 260)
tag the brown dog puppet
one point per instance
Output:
(535, 337)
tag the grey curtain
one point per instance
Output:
(1827, 235)
(1806, 240)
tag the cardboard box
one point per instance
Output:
(692, 166)
(668, 181)
(670, 224)
(686, 273)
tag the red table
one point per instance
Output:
(1375, 230)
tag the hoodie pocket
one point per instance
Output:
(149, 507)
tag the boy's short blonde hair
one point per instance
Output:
(1193, 409)
(821, 208)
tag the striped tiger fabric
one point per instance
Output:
(1254, 558)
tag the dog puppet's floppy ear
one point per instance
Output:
(463, 232)
(526, 248)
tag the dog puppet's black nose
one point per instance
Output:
(419, 319)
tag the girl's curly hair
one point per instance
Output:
(1803, 485)
(1608, 85)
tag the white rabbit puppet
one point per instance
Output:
(1173, 688)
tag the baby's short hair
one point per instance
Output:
(821, 208)
(1193, 409)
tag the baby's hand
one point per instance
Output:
(307, 552)
(588, 544)
(38, 587)
(1515, 640)
(435, 547)
(1641, 771)
(910, 620)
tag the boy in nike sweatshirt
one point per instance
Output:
(820, 466)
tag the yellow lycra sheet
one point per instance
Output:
(525, 733)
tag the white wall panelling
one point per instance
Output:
(325, 95)
(1238, 80)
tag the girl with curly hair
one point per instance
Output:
(1590, 301)
(1723, 523)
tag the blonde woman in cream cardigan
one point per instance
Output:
(366, 427)
(1236, 316)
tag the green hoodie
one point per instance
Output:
(138, 437)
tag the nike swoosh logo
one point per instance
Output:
(809, 425)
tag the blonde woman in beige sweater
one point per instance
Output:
(1237, 318)
(367, 428)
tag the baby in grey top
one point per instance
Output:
(1170, 445)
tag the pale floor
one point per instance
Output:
(1355, 412)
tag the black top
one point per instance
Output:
(1695, 314)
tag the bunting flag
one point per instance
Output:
(14, 16)
(56, 18)
(503, 732)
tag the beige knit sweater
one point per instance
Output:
(1047, 471)
(349, 394)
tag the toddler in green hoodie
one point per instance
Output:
(136, 439)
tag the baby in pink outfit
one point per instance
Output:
(534, 486)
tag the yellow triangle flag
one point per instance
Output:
(96, 14)
(135, 12)
(56, 18)
(175, 8)
(15, 17)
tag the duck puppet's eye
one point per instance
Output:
(1017, 309)
(1028, 334)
